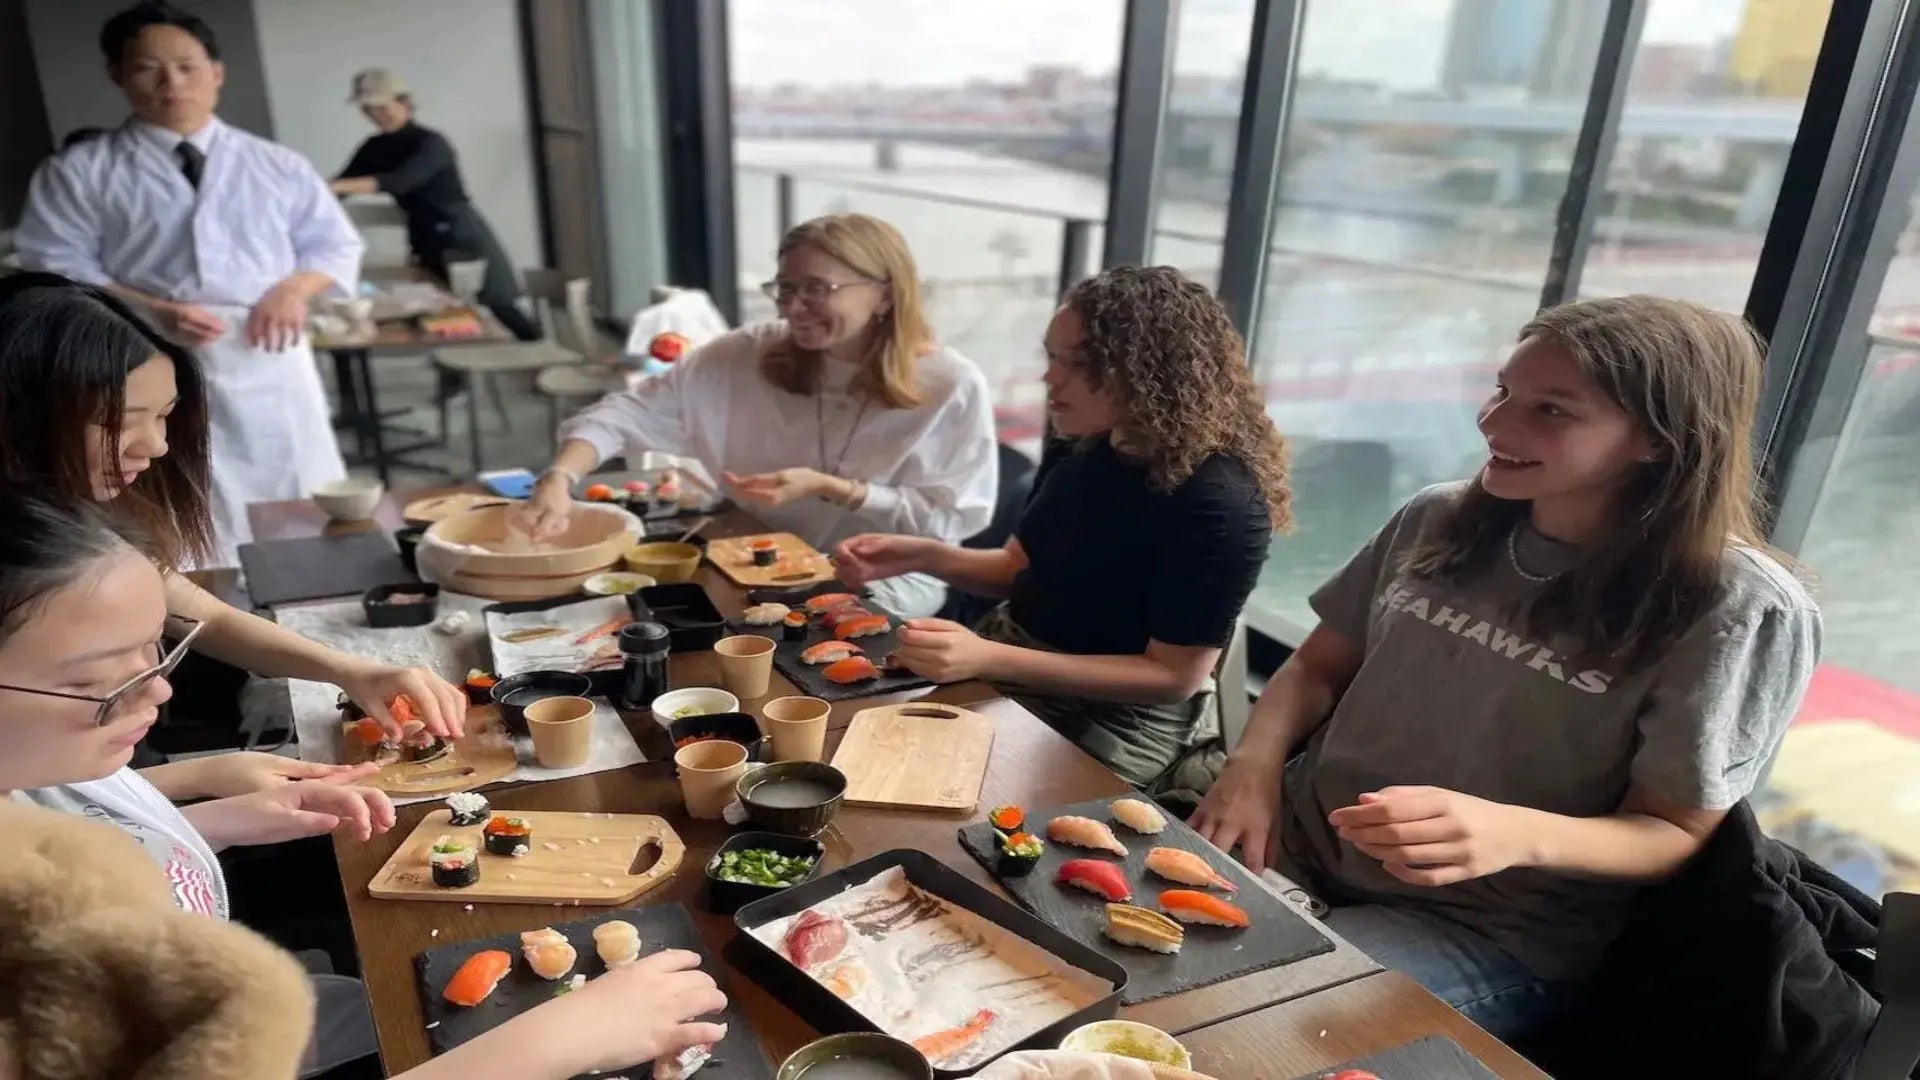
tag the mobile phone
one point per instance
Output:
(508, 483)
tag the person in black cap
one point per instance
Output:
(416, 166)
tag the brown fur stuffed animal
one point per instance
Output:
(102, 976)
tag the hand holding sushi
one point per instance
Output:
(1243, 809)
(440, 705)
(943, 651)
(1432, 836)
(292, 811)
(785, 485)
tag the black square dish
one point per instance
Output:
(736, 727)
(382, 614)
(727, 897)
(693, 623)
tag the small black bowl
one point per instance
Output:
(528, 687)
(727, 897)
(685, 609)
(408, 541)
(385, 615)
(736, 727)
(783, 815)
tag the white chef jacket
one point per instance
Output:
(118, 209)
(931, 470)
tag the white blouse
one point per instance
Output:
(931, 470)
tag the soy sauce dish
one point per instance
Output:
(798, 798)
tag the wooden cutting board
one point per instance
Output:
(799, 563)
(485, 755)
(917, 756)
(575, 858)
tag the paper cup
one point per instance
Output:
(708, 772)
(798, 728)
(746, 664)
(562, 729)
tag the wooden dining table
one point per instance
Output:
(1031, 765)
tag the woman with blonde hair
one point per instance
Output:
(842, 417)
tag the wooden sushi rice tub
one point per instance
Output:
(475, 552)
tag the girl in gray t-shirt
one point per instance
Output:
(1537, 690)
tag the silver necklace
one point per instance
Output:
(1513, 558)
(820, 412)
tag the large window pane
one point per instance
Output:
(1198, 141)
(1713, 104)
(984, 152)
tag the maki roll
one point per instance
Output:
(467, 808)
(455, 865)
(508, 836)
(1019, 854)
(479, 687)
(794, 626)
(765, 551)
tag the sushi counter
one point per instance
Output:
(1317, 1003)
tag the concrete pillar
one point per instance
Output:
(1511, 160)
(886, 155)
(1763, 188)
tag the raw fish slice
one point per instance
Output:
(1186, 868)
(548, 952)
(1085, 832)
(942, 1045)
(1138, 815)
(617, 942)
(477, 978)
(1193, 906)
(865, 626)
(814, 939)
(845, 980)
(828, 601)
(851, 670)
(826, 652)
(1103, 879)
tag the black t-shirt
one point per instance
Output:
(1113, 563)
(416, 166)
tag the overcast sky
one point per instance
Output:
(942, 42)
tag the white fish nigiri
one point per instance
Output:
(1138, 815)
(617, 942)
(548, 952)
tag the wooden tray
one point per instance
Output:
(484, 756)
(433, 508)
(799, 563)
(564, 866)
(1280, 934)
(918, 756)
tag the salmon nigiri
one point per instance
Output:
(477, 977)
(1186, 868)
(864, 626)
(826, 652)
(1194, 906)
(1085, 832)
(851, 670)
(828, 601)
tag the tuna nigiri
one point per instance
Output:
(865, 626)
(851, 670)
(1193, 906)
(1138, 815)
(943, 1045)
(826, 652)
(1085, 832)
(548, 952)
(1103, 879)
(814, 939)
(477, 978)
(826, 602)
(1186, 868)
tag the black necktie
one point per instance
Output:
(193, 162)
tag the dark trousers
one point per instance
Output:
(465, 235)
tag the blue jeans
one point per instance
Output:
(1462, 968)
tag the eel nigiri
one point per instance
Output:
(864, 626)
(1103, 879)
(853, 669)
(1143, 929)
(942, 1045)
(548, 952)
(477, 978)
(1085, 832)
(617, 941)
(827, 652)
(814, 939)
(1138, 815)
(1186, 868)
(1194, 906)
(826, 602)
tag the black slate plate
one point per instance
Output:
(1279, 934)
(320, 567)
(808, 677)
(662, 926)
(1435, 1057)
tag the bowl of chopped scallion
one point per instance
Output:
(751, 865)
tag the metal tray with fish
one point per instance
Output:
(915, 923)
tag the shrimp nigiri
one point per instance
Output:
(1193, 906)
(1186, 868)
(548, 952)
(1085, 832)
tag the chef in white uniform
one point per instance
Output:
(223, 237)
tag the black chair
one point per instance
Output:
(1017, 479)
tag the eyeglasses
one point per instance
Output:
(813, 292)
(132, 686)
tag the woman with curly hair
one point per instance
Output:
(1131, 563)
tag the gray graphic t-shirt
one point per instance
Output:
(1453, 692)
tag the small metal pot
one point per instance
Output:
(883, 1050)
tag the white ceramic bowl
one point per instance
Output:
(616, 583)
(1102, 1036)
(349, 500)
(709, 699)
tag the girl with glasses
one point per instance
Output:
(840, 417)
(96, 404)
